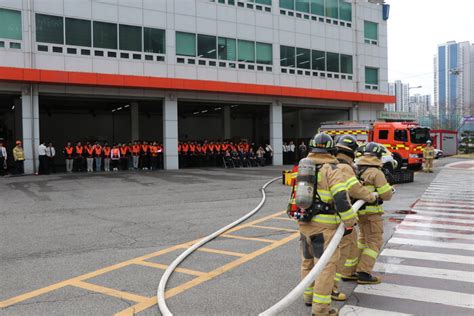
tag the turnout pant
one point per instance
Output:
(315, 237)
(428, 164)
(346, 245)
(370, 241)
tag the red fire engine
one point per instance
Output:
(404, 139)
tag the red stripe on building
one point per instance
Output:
(127, 81)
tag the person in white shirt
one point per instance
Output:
(43, 159)
(268, 154)
(291, 153)
(51, 154)
(3, 159)
(285, 149)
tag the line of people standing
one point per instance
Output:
(126, 156)
(292, 153)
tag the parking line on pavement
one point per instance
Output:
(146, 302)
(164, 267)
(275, 228)
(108, 291)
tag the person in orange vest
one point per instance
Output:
(79, 157)
(115, 157)
(192, 154)
(161, 150)
(130, 156)
(106, 153)
(185, 152)
(69, 156)
(98, 156)
(153, 149)
(136, 148)
(89, 153)
(124, 156)
(145, 156)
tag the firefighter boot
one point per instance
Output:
(366, 278)
(332, 312)
(338, 296)
(347, 278)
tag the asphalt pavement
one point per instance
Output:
(97, 244)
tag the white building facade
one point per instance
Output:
(71, 66)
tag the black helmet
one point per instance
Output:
(373, 149)
(347, 142)
(322, 143)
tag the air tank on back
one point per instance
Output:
(305, 183)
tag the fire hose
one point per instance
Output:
(297, 292)
(160, 295)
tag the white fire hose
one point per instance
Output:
(298, 291)
(160, 295)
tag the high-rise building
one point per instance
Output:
(421, 105)
(401, 93)
(454, 82)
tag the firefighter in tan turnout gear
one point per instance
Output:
(428, 156)
(370, 239)
(346, 146)
(319, 201)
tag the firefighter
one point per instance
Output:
(330, 204)
(428, 156)
(346, 147)
(370, 215)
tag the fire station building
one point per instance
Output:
(172, 70)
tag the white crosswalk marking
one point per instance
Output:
(419, 294)
(427, 256)
(351, 310)
(429, 243)
(462, 276)
(427, 263)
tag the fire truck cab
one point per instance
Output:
(405, 140)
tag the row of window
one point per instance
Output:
(335, 9)
(261, 5)
(223, 48)
(303, 58)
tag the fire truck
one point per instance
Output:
(405, 140)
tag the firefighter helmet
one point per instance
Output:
(373, 149)
(322, 143)
(347, 142)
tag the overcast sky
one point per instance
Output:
(415, 28)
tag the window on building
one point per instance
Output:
(346, 64)
(370, 31)
(154, 40)
(264, 53)
(317, 7)
(303, 58)
(383, 134)
(266, 2)
(287, 56)
(185, 44)
(401, 135)
(49, 29)
(318, 60)
(130, 38)
(287, 4)
(332, 62)
(206, 45)
(105, 35)
(302, 5)
(332, 9)
(345, 10)
(78, 32)
(227, 48)
(10, 24)
(246, 51)
(371, 76)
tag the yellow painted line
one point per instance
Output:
(208, 276)
(164, 267)
(47, 289)
(275, 228)
(222, 252)
(260, 220)
(284, 218)
(248, 238)
(110, 292)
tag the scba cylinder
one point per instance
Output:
(305, 183)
